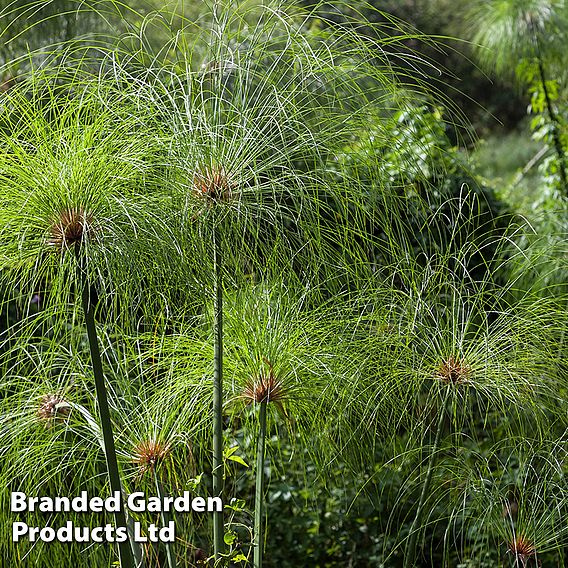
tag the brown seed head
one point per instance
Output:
(453, 371)
(265, 387)
(522, 548)
(148, 454)
(71, 227)
(213, 184)
(52, 408)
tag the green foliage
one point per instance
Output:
(526, 36)
(409, 166)
(509, 31)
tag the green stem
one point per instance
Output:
(125, 552)
(259, 489)
(555, 128)
(137, 550)
(166, 518)
(553, 119)
(218, 528)
(410, 553)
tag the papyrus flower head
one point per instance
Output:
(213, 184)
(522, 549)
(265, 386)
(71, 227)
(148, 454)
(51, 408)
(453, 371)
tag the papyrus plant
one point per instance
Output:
(517, 35)
(464, 357)
(70, 176)
(246, 135)
(280, 356)
(51, 443)
(514, 501)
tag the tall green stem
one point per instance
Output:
(410, 553)
(551, 113)
(218, 528)
(125, 552)
(259, 489)
(555, 127)
(166, 518)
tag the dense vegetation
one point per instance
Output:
(260, 250)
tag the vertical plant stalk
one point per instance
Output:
(218, 467)
(259, 489)
(551, 113)
(555, 127)
(410, 552)
(137, 550)
(125, 552)
(166, 518)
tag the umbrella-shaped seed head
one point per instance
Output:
(522, 548)
(265, 387)
(213, 185)
(51, 408)
(148, 454)
(453, 371)
(71, 226)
